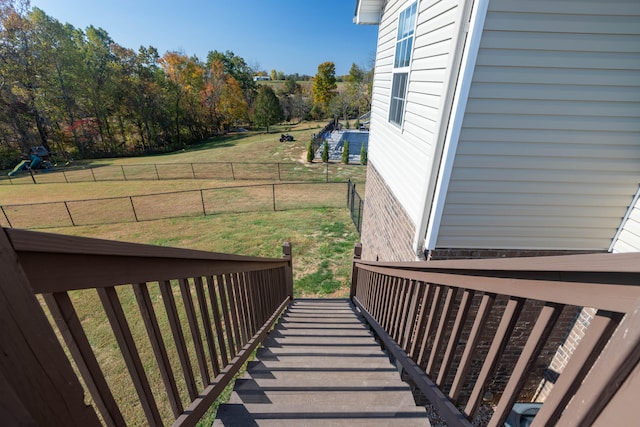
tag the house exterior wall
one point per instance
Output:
(548, 157)
(549, 151)
(404, 156)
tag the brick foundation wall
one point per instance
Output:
(569, 329)
(387, 230)
(457, 253)
(564, 352)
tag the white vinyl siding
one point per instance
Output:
(549, 151)
(404, 156)
(628, 240)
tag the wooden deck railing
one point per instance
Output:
(201, 311)
(432, 315)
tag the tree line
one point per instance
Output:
(79, 92)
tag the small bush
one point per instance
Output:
(310, 154)
(356, 124)
(9, 157)
(363, 155)
(325, 151)
(346, 124)
(345, 152)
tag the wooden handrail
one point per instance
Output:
(421, 309)
(57, 263)
(617, 290)
(216, 307)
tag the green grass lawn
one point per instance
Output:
(252, 146)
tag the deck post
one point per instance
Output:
(40, 387)
(286, 254)
(357, 254)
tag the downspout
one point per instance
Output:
(469, 29)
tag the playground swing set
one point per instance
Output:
(38, 158)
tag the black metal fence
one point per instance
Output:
(230, 171)
(355, 204)
(191, 203)
(319, 137)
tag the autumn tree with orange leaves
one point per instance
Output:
(223, 99)
(55, 79)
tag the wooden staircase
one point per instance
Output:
(321, 366)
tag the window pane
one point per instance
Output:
(401, 20)
(398, 94)
(408, 43)
(412, 16)
(403, 85)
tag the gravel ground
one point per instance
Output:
(485, 412)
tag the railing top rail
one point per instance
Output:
(587, 263)
(603, 281)
(82, 263)
(35, 241)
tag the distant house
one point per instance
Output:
(261, 78)
(503, 127)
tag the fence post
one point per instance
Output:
(279, 177)
(233, 174)
(353, 198)
(193, 171)
(135, 215)
(360, 209)
(273, 193)
(286, 254)
(93, 175)
(69, 212)
(124, 175)
(157, 174)
(357, 254)
(65, 177)
(326, 173)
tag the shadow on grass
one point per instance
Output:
(228, 140)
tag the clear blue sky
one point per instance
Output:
(293, 36)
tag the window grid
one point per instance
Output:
(398, 93)
(402, 60)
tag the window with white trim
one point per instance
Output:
(402, 60)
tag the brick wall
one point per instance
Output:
(564, 352)
(387, 230)
(457, 253)
(553, 357)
